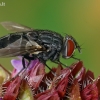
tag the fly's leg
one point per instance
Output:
(75, 58)
(51, 70)
(56, 60)
(62, 63)
(23, 69)
(44, 62)
(41, 58)
(59, 62)
(54, 55)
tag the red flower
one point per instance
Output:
(73, 83)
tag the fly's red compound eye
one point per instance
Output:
(70, 48)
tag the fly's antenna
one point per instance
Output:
(65, 35)
(79, 47)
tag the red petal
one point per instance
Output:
(12, 90)
(98, 86)
(48, 95)
(45, 94)
(55, 96)
(89, 75)
(81, 75)
(90, 92)
(36, 75)
(76, 68)
(61, 86)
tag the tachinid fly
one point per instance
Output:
(32, 44)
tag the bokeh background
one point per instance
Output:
(79, 18)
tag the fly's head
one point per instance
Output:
(69, 46)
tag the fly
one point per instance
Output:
(34, 43)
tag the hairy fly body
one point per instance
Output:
(32, 44)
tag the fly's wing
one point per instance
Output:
(19, 47)
(13, 49)
(15, 27)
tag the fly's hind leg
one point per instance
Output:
(23, 69)
(62, 63)
(48, 67)
(56, 60)
(43, 57)
(59, 62)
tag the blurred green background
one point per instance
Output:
(79, 18)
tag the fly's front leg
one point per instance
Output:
(56, 60)
(75, 58)
(40, 57)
